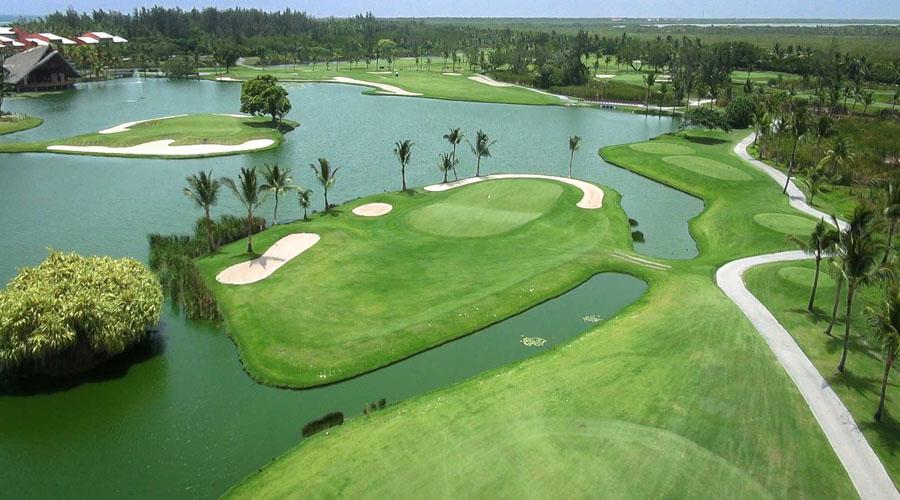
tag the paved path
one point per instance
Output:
(862, 464)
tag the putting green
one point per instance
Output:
(662, 148)
(804, 276)
(784, 223)
(486, 209)
(709, 168)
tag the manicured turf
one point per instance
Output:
(184, 130)
(803, 276)
(10, 126)
(858, 387)
(432, 83)
(786, 223)
(374, 291)
(662, 148)
(483, 210)
(707, 167)
(677, 396)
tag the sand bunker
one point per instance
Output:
(489, 81)
(125, 126)
(592, 195)
(165, 148)
(276, 256)
(226, 79)
(380, 72)
(373, 209)
(452, 74)
(383, 87)
(604, 77)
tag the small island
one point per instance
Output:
(181, 136)
(10, 124)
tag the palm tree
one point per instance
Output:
(819, 243)
(892, 213)
(574, 144)
(885, 324)
(824, 129)
(325, 175)
(403, 152)
(649, 81)
(859, 266)
(204, 190)
(303, 199)
(247, 192)
(481, 149)
(840, 155)
(815, 179)
(835, 266)
(868, 98)
(447, 163)
(454, 137)
(799, 126)
(278, 181)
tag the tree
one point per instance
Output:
(446, 163)
(859, 265)
(892, 214)
(226, 54)
(481, 149)
(278, 181)
(71, 312)
(203, 189)
(839, 156)
(574, 144)
(799, 126)
(739, 112)
(649, 81)
(454, 137)
(815, 179)
(868, 99)
(325, 175)
(179, 68)
(884, 322)
(403, 152)
(817, 244)
(823, 129)
(706, 118)
(246, 190)
(263, 96)
(303, 199)
(384, 48)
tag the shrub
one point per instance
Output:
(179, 68)
(632, 222)
(637, 236)
(70, 313)
(739, 112)
(320, 424)
(707, 118)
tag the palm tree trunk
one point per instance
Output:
(304, 214)
(837, 303)
(791, 166)
(812, 297)
(478, 166)
(326, 199)
(888, 363)
(571, 159)
(275, 215)
(250, 231)
(887, 251)
(850, 290)
(209, 234)
(403, 175)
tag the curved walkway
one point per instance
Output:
(866, 471)
(592, 195)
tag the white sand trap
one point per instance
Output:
(165, 148)
(452, 74)
(263, 266)
(604, 77)
(234, 115)
(226, 79)
(373, 209)
(489, 81)
(380, 72)
(125, 126)
(592, 195)
(385, 88)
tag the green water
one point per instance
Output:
(179, 418)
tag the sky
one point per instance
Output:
(838, 9)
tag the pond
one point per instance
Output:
(179, 417)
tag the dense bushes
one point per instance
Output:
(71, 312)
(172, 258)
(320, 424)
(739, 112)
(707, 118)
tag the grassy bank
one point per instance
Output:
(204, 129)
(676, 396)
(9, 125)
(438, 266)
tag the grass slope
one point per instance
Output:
(438, 266)
(184, 130)
(784, 289)
(433, 84)
(10, 126)
(677, 396)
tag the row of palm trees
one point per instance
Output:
(857, 257)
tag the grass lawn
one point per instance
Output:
(10, 125)
(183, 130)
(784, 289)
(369, 296)
(433, 84)
(677, 396)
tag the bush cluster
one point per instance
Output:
(320, 424)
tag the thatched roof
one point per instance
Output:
(19, 66)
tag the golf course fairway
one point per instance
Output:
(676, 396)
